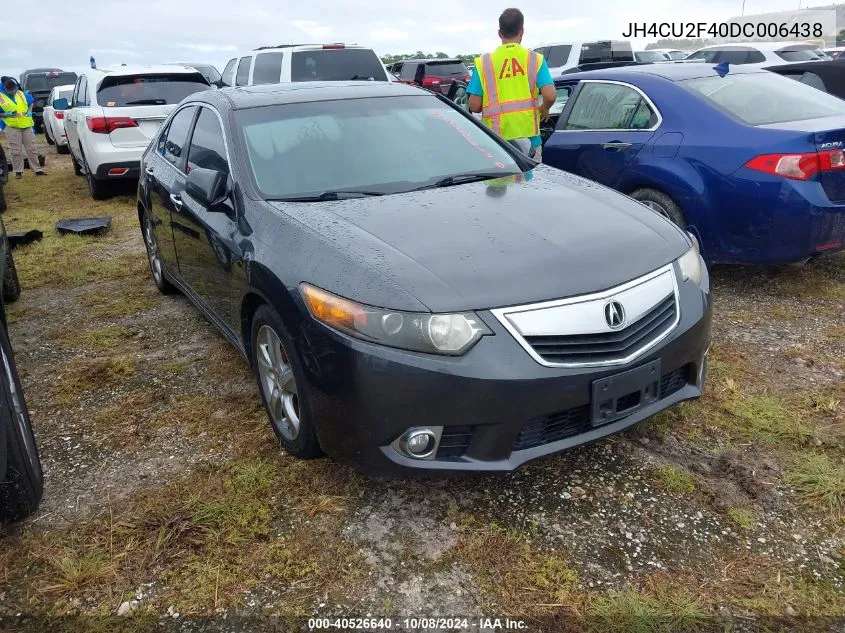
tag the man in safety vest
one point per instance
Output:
(506, 85)
(17, 115)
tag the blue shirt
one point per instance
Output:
(544, 78)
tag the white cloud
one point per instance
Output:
(314, 29)
(388, 34)
(465, 27)
(115, 51)
(209, 48)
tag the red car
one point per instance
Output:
(434, 74)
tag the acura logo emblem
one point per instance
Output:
(614, 314)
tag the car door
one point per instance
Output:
(601, 130)
(72, 116)
(207, 239)
(164, 171)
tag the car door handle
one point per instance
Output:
(615, 146)
(176, 199)
(150, 171)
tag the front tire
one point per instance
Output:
(11, 284)
(663, 204)
(23, 483)
(3, 205)
(281, 381)
(154, 257)
(77, 168)
(47, 136)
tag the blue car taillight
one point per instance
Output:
(798, 166)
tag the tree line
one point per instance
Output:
(389, 59)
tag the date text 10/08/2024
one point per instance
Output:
(420, 623)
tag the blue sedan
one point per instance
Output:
(749, 161)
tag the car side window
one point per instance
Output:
(707, 56)
(396, 69)
(75, 97)
(563, 94)
(811, 79)
(242, 78)
(268, 68)
(171, 143)
(409, 71)
(82, 96)
(208, 149)
(604, 106)
(557, 56)
(228, 77)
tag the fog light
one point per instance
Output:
(419, 442)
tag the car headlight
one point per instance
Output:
(451, 334)
(690, 262)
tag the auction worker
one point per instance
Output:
(17, 115)
(506, 84)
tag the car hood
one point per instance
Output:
(540, 236)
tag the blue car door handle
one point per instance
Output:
(615, 146)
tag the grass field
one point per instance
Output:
(167, 498)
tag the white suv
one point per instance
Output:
(113, 114)
(562, 56)
(308, 62)
(758, 54)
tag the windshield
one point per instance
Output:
(797, 54)
(763, 98)
(379, 144)
(446, 69)
(159, 89)
(43, 82)
(650, 56)
(211, 74)
(342, 64)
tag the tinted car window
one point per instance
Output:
(409, 70)
(429, 140)
(159, 89)
(445, 69)
(596, 52)
(707, 56)
(228, 76)
(82, 93)
(797, 54)
(558, 56)
(45, 82)
(171, 143)
(267, 68)
(342, 64)
(242, 78)
(208, 149)
(763, 98)
(650, 56)
(601, 106)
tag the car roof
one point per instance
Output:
(423, 59)
(762, 46)
(340, 46)
(670, 71)
(307, 91)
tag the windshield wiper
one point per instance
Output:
(330, 195)
(147, 102)
(460, 179)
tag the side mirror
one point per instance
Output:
(60, 104)
(206, 186)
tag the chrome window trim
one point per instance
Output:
(170, 117)
(620, 129)
(501, 316)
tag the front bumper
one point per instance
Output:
(495, 404)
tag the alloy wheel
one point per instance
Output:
(152, 250)
(278, 383)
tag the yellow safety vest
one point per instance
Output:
(509, 80)
(20, 106)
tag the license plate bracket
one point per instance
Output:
(622, 394)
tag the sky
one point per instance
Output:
(155, 31)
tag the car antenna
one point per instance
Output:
(722, 69)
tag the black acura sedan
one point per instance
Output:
(411, 291)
